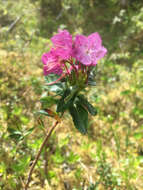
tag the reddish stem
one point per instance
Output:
(39, 153)
(88, 72)
(66, 68)
(71, 63)
(62, 76)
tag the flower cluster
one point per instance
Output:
(69, 54)
(73, 60)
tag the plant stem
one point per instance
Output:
(39, 153)
(61, 77)
(66, 69)
(45, 157)
(88, 72)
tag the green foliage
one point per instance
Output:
(79, 116)
(21, 166)
(62, 105)
(70, 99)
(87, 105)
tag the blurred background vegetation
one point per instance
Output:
(110, 157)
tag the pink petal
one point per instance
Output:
(94, 39)
(52, 64)
(63, 44)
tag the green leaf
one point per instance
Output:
(51, 174)
(51, 77)
(91, 83)
(62, 106)
(72, 158)
(125, 92)
(57, 87)
(15, 134)
(67, 99)
(72, 94)
(21, 165)
(17, 111)
(29, 131)
(43, 112)
(58, 157)
(140, 159)
(80, 117)
(47, 101)
(25, 120)
(91, 78)
(138, 136)
(92, 110)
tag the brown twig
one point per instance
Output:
(46, 161)
(13, 24)
(39, 153)
(22, 183)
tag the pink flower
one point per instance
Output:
(63, 44)
(88, 50)
(85, 50)
(52, 63)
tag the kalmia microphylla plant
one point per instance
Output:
(69, 67)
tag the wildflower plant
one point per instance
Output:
(69, 69)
